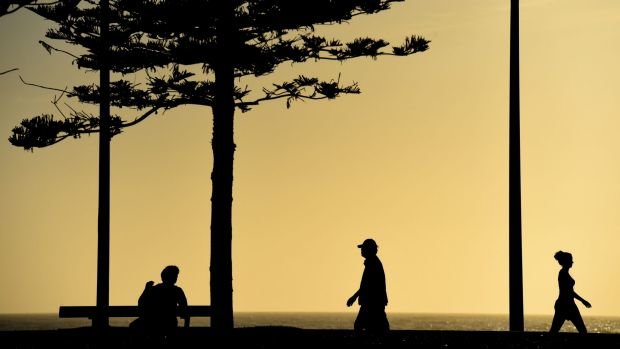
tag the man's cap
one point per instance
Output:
(368, 243)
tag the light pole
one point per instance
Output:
(514, 192)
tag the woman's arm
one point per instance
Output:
(585, 302)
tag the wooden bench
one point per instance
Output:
(124, 311)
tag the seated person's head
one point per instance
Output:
(170, 274)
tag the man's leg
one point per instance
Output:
(361, 321)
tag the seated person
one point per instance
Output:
(158, 303)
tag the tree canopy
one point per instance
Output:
(176, 34)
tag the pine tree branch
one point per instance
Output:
(142, 117)
(49, 48)
(8, 71)
(43, 131)
(303, 88)
(6, 9)
(43, 87)
(245, 105)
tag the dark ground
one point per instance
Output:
(285, 337)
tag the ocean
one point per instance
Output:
(398, 321)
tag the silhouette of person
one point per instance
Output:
(158, 304)
(372, 294)
(565, 307)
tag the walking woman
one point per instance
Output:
(565, 307)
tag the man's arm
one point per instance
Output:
(182, 302)
(351, 300)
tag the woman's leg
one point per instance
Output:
(557, 323)
(578, 322)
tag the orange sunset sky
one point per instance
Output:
(418, 161)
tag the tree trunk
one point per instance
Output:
(514, 194)
(103, 219)
(223, 145)
(221, 205)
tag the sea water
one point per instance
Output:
(398, 321)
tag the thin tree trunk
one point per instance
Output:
(222, 179)
(103, 222)
(514, 216)
(221, 207)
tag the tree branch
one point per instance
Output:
(7, 11)
(18, 6)
(43, 87)
(142, 117)
(302, 88)
(279, 96)
(49, 48)
(8, 71)
(331, 58)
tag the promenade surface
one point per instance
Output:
(285, 337)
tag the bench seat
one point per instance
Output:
(73, 311)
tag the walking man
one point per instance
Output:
(372, 294)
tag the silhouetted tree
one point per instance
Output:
(110, 44)
(230, 39)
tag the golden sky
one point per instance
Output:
(418, 161)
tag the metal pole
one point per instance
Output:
(514, 216)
